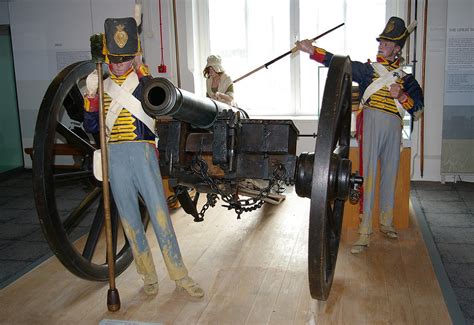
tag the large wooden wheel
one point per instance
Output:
(331, 173)
(325, 177)
(73, 223)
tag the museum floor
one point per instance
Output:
(254, 270)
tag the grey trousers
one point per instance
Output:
(380, 142)
(133, 170)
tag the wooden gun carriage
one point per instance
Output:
(205, 145)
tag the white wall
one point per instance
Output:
(433, 90)
(433, 86)
(46, 36)
(39, 32)
(4, 18)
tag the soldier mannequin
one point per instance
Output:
(133, 156)
(386, 93)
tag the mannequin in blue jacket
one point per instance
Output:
(133, 156)
(386, 94)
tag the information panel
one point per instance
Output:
(457, 151)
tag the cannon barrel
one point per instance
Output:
(160, 97)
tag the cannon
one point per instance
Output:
(204, 145)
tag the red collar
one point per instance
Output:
(382, 60)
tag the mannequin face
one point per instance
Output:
(388, 49)
(212, 72)
(121, 68)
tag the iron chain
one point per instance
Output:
(199, 167)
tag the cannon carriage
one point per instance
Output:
(205, 145)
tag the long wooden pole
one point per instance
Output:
(113, 297)
(408, 23)
(176, 43)
(284, 54)
(423, 75)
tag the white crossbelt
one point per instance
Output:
(386, 78)
(122, 98)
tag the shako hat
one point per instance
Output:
(121, 39)
(395, 31)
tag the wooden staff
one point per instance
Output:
(408, 39)
(113, 298)
(284, 54)
(176, 42)
(422, 131)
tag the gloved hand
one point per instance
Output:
(92, 83)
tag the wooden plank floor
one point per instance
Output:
(254, 271)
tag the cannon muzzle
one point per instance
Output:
(160, 97)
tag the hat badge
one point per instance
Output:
(120, 36)
(390, 27)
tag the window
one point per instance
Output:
(247, 34)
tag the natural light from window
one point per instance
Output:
(247, 34)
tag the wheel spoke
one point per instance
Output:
(69, 176)
(79, 213)
(331, 222)
(332, 239)
(74, 104)
(144, 213)
(342, 151)
(115, 226)
(330, 257)
(343, 106)
(74, 139)
(94, 233)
